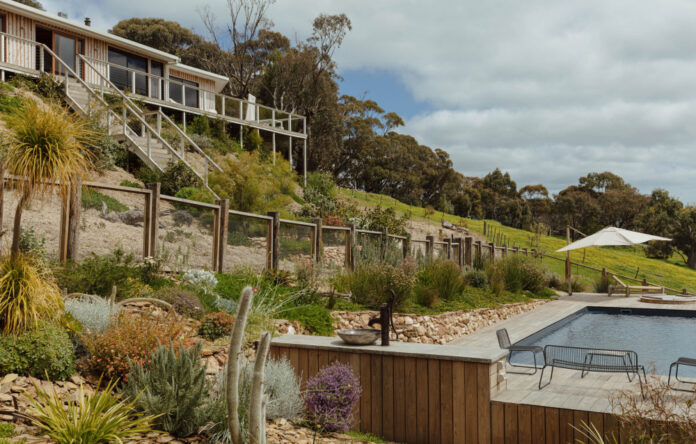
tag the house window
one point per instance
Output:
(123, 78)
(157, 70)
(183, 91)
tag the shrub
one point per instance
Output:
(370, 285)
(476, 278)
(27, 294)
(93, 199)
(47, 350)
(439, 280)
(197, 194)
(576, 285)
(93, 313)
(31, 243)
(201, 279)
(554, 279)
(281, 387)
(216, 325)
(98, 274)
(601, 285)
(172, 386)
(516, 273)
(378, 218)
(131, 338)
(183, 301)
(131, 184)
(95, 418)
(174, 177)
(331, 396)
(314, 318)
(7, 430)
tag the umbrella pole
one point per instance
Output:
(568, 270)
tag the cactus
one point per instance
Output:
(257, 404)
(257, 410)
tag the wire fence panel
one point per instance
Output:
(185, 236)
(367, 248)
(111, 220)
(334, 254)
(295, 242)
(247, 244)
(40, 217)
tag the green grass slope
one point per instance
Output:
(629, 261)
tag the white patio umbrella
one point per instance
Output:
(612, 236)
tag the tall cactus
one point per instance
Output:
(257, 407)
(232, 376)
(257, 403)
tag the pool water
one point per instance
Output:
(659, 337)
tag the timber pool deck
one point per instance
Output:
(567, 390)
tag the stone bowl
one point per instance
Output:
(360, 336)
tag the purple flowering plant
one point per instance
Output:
(331, 396)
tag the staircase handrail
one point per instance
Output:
(141, 113)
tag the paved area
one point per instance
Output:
(568, 389)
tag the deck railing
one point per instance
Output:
(160, 88)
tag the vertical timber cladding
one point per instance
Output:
(520, 423)
(19, 53)
(409, 399)
(23, 54)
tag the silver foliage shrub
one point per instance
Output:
(93, 313)
(282, 388)
(205, 280)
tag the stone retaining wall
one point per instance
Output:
(436, 329)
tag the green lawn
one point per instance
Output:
(629, 261)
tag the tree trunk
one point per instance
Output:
(691, 259)
(18, 224)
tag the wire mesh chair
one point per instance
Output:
(588, 359)
(504, 343)
(686, 362)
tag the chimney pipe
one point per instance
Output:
(63, 14)
(88, 21)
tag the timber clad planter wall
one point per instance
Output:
(516, 423)
(418, 393)
(407, 398)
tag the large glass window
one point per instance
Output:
(157, 70)
(123, 78)
(183, 91)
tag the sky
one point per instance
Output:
(545, 90)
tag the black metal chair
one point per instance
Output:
(504, 343)
(687, 362)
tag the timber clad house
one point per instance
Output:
(103, 73)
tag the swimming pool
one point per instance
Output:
(658, 336)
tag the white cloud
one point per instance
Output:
(546, 90)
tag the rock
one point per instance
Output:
(10, 377)
(76, 379)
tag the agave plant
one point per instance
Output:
(45, 145)
(97, 418)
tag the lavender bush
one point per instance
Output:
(331, 397)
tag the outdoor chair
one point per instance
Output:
(687, 362)
(504, 343)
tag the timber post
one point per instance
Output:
(146, 224)
(448, 246)
(275, 239)
(468, 257)
(385, 242)
(64, 222)
(74, 208)
(318, 246)
(406, 245)
(568, 269)
(484, 228)
(350, 247)
(429, 244)
(491, 246)
(154, 217)
(220, 227)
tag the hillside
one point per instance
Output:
(629, 261)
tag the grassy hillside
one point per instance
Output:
(629, 261)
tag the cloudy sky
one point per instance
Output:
(546, 90)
